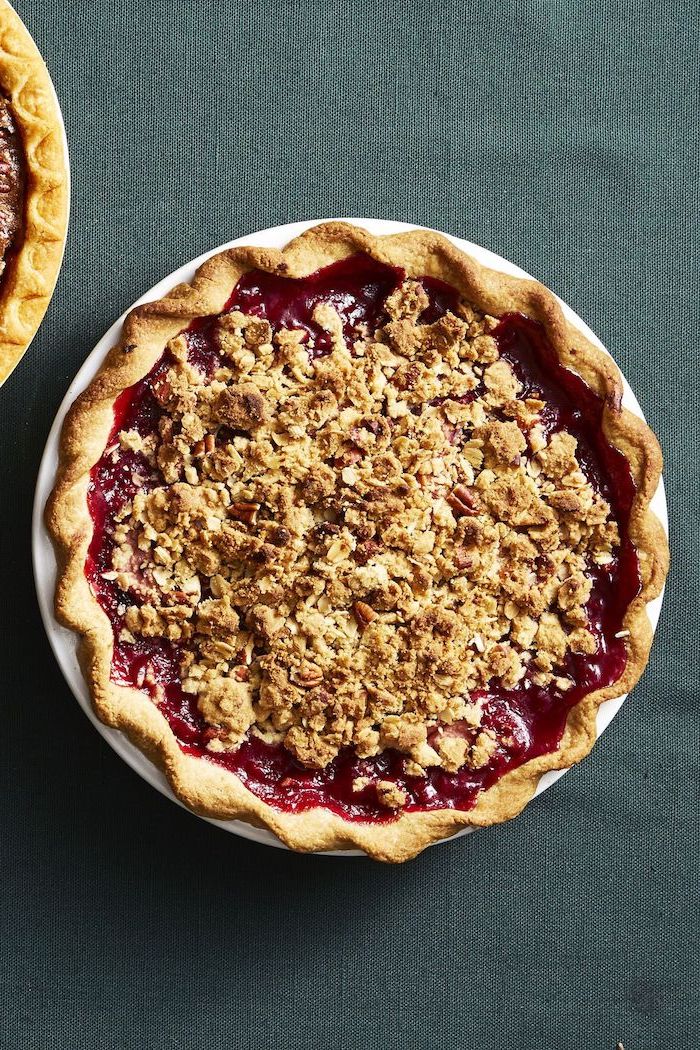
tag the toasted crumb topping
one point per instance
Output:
(349, 550)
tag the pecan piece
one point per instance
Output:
(364, 614)
(308, 676)
(204, 447)
(462, 500)
(245, 512)
(464, 559)
(161, 390)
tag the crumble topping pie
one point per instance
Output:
(33, 189)
(362, 543)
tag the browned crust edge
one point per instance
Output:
(30, 278)
(204, 787)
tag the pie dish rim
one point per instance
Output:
(282, 234)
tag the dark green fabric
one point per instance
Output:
(563, 135)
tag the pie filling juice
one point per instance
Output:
(529, 720)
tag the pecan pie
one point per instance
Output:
(33, 189)
(357, 538)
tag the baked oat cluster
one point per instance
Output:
(352, 549)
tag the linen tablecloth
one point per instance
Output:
(563, 136)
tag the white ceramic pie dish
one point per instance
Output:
(64, 642)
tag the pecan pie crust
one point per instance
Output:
(374, 596)
(34, 234)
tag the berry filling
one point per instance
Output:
(528, 720)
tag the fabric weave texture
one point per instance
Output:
(562, 136)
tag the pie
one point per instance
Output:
(357, 539)
(33, 189)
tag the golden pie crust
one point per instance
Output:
(30, 276)
(205, 787)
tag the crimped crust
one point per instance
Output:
(205, 787)
(30, 277)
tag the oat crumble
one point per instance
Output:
(349, 548)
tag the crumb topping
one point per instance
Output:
(350, 549)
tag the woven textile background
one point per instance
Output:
(563, 135)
